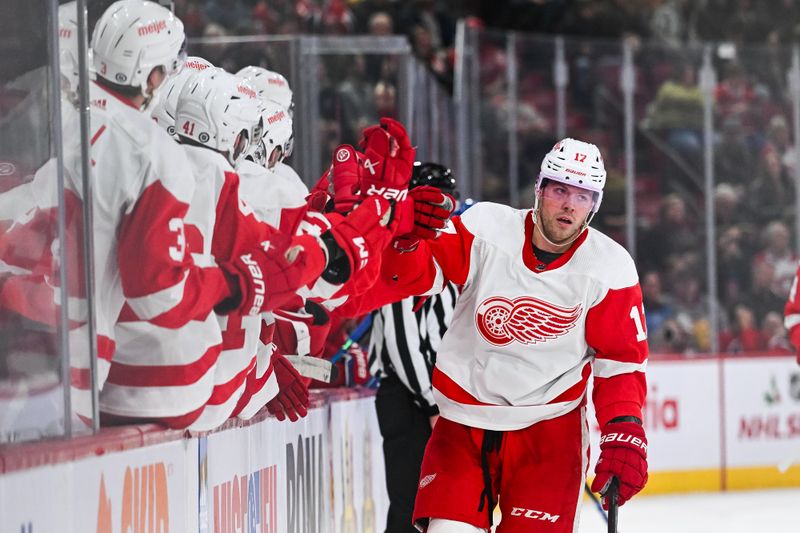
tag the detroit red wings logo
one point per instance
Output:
(525, 319)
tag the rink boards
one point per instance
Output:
(718, 423)
(712, 424)
(323, 474)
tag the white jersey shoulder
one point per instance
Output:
(604, 259)
(292, 186)
(150, 154)
(483, 220)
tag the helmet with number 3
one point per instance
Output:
(575, 163)
(219, 111)
(132, 38)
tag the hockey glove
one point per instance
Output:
(388, 160)
(623, 455)
(432, 209)
(292, 399)
(357, 238)
(344, 178)
(267, 277)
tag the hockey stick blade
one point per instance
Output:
(314, 368)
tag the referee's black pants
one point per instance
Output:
(405, 429)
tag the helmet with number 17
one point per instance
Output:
(575, 163)
(220, 111)
(132, 38)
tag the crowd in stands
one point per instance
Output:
(753, 145)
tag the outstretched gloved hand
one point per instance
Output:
(623, 455)
(388, 160)
(268, 276)
(292, 399)
(432, 209)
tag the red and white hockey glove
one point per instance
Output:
(384, 169)
(344, 178)
(623, 455)
(265, 278)
(356, 239)
(432, 209)
(388, 160)
(292, 399)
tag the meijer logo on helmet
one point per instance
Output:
(153, 27)
(246, 91)
(276, 117)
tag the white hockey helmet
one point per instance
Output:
(270, 85)
(132, 38)
(220, 111)
(575, 163)
(166, 104)
(276, 133)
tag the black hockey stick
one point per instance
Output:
(612, 497)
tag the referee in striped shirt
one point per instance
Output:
(404, 340)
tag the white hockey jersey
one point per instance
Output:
(271, 191)
(141, 187)
(525, 335)
(194, 376)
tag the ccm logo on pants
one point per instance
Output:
(531, 513)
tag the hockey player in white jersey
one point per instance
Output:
(164, 108)
(273, 86)
(216, 117)
(547, 301)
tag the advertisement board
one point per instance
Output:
(37, 499)
(681, 417)
(268, 477)
(762, 420)
(145, 490)
(360, 500)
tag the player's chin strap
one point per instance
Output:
(537, 223)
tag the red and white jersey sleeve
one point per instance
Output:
(524, 335)
(213, 361)
(791, 313)
(425, 271)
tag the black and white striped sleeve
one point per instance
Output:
(405, 343)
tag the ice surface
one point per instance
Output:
(763, 511)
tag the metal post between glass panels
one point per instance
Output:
(708, 82)
(55, 135)
(434, 118)
(474, 108)
(561, 80)
(512, 94)
(794, 88)
(461, 91)
(88, 197)
(628, 84)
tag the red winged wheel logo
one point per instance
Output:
(525, 319)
